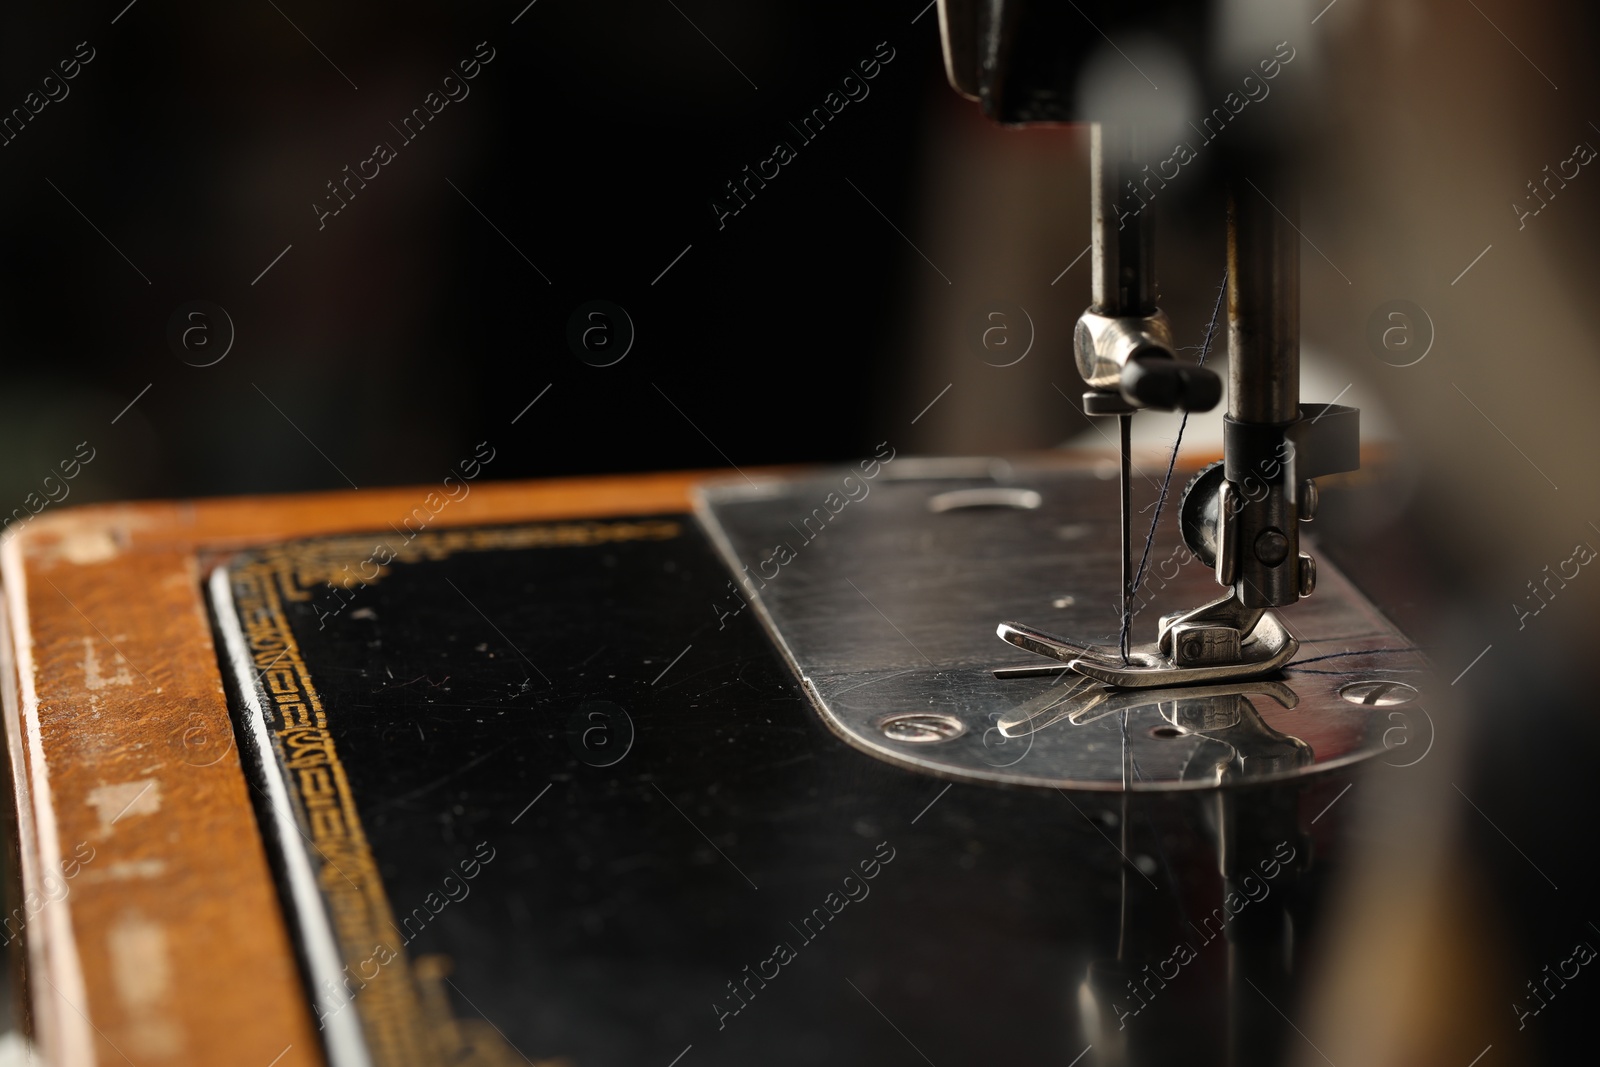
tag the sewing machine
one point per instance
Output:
(728, 768)
(870, 625)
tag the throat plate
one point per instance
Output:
(883, 598)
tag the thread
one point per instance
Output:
(1166, 483)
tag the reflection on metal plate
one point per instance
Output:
(886, 609)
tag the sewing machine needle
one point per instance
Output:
(1125, 426)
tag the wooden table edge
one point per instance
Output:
(82, 574)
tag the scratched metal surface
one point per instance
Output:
(884, 607)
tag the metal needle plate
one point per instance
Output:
(886, 610)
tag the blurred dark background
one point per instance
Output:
(434, 307)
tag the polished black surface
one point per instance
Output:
(483, 705)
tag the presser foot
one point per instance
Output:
(1222, 641)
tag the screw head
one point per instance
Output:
(1272, 547)
(1378, 693)
(1307, 575)
(922, 728)
(1309, 499)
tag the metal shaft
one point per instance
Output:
(1123, 284)
(1123, 226)
(1263, 301)
(1263, 380)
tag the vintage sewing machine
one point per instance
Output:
(712, 768)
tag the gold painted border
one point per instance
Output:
(389, 1003)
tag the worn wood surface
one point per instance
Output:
(151, 925)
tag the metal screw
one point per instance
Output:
(1307, 575)
(1378, 693)
(921, 728)
(1272, 547)
(1309, 499)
